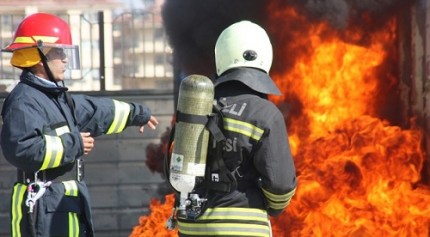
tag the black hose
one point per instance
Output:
(32, 224)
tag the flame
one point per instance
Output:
(358, 175)
(360, 180)
(154, 225)
(333, 80)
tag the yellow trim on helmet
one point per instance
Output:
(34, 39)
(24, 40)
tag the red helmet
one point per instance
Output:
(50, 29)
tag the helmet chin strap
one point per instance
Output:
(44, 60)
(51, 78)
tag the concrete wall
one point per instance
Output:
(121, 185)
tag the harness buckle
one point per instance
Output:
(35, 190)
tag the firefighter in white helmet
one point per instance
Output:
(47, 131)
(250, 174)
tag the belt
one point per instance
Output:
(55, 175)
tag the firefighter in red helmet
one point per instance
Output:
(250, 173)
(46, 131)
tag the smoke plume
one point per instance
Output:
(193, 26)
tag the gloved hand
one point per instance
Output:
(139, 115)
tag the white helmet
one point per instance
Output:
(243, 44)
(246, 47)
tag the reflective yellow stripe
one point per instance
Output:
(223, 229)
(17, 200)
(242, 222)
(24, 40)
(54, 152)
(73, 225)
(234, 213)
(122, 110)
(34, 39)
(70, 188)
(244, 128)
(278, 202)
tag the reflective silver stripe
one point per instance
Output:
(53, 152)
(73, 225)
(62, 130)
(244, 128)
(122, 110)
(17, 200)
(70, 188)
(278, 202)
(242, 222)
(234, 213)
(224, 229)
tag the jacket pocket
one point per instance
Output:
(63, 203)
(62, 212)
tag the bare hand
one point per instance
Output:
(88, 142)
(152, 123)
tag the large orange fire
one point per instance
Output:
(358, 175)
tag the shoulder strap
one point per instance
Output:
(214, 124)
(227, 181)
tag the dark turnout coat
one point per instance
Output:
(41, 134)
(257, 153)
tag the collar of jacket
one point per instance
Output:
(253, 78)
(30, 79)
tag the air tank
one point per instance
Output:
(191, 138)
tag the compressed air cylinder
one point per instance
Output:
(188, 159)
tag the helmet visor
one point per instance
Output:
(70, 53)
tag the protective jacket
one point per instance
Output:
(41, 134)
(260, 178)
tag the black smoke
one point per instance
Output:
(193, 26)
(342, 13)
